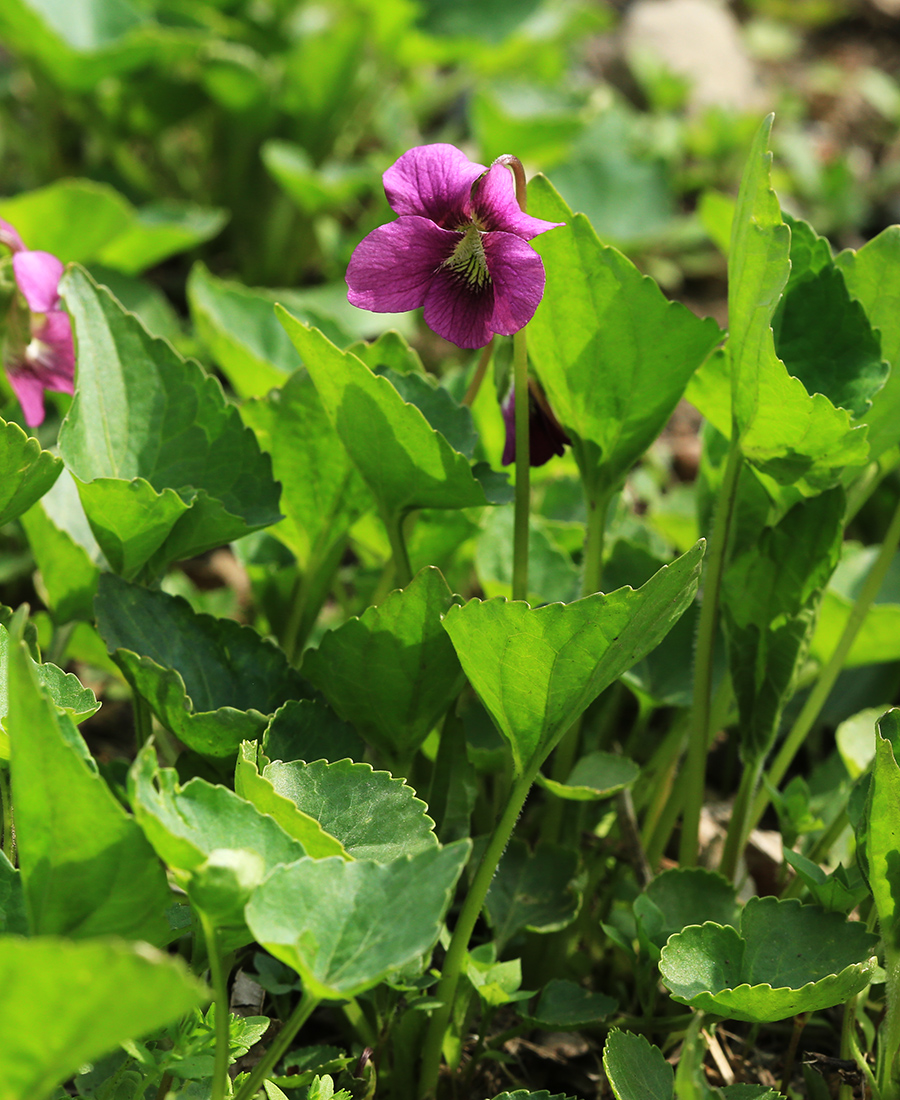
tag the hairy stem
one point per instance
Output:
(738, 826)
(462, 933)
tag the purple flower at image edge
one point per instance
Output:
(459, 247)
(546, 436)
(38, 351)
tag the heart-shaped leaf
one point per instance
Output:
(379, 917)
(392, 672)
(56, 1014)
(87, 869)
(165, 467)
(210, 681)
(787, 958)
(308, 729)
(537, 669)
(26, 471)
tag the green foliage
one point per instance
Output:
(785, 959)
(394, 908)
(165, 468)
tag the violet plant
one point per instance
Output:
(424, 818)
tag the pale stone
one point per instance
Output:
(699, 40)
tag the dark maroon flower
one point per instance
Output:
(546, 436)
(459, 248)
(38, 352)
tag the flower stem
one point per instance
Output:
(595, 536)
(518, 172)
(523, 468)
(698, 743)
(738, 826)
(478, 377)
(7, 832)
(402, 568)
(817, 697)
(279, 1048)
(889, 1032)
(219, 982)
(462, 933)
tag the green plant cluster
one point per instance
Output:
(422, 819)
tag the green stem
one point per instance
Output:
(143, 720)
(219, 982)
(595, 536)
(279, 1048)
(480, 371)
(523, 468)
(59, 643)
(308, 596)
(465, 925)
(738, 826)
(817, 697)
(7, 830)
(889, 1032)
(402, 567)
(698, 742)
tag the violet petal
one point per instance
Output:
(433, 181)
(459, 312)
(55, 352)
(37, 276)
(517, 272)
(29, 389)
(495, 205)
(392, 268)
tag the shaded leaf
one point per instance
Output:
(532, 890)
(596, 775)
(565, 1005)
(307, 729)
(211, 681)
(392, 672)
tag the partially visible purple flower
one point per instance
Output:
(459, 248)
(546, 436)
(38, 352)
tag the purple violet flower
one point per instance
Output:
(459, 248)
(38, 352)
(546, 436)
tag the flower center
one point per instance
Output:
(468, 261)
